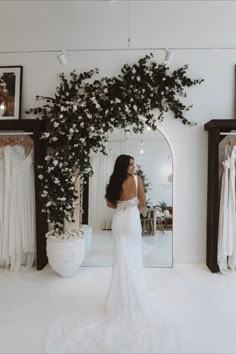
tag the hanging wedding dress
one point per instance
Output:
(19, 234)
(224, 215)
(232, 212)
(2, 188)
(226, 255)
(130, 321)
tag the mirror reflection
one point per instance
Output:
(153, 163)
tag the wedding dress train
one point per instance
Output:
(130, 321)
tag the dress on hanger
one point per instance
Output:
(226, 255)
(232, 213)
(2, 181)
(19, 235)
(130, 321)
(224, 215)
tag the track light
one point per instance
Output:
(168, 57)
(127, 134)
(62, 58)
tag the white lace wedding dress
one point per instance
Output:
(129, 321)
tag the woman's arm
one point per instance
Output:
(111, 205)
(141, 195)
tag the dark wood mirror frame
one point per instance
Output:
(36, 127)
(214, 128)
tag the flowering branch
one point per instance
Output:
(82, 113)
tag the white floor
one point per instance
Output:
(201, 303)
(157, 250)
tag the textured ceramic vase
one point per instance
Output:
(66, 256)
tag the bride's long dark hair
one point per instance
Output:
(119, 175)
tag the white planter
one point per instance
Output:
(88, 233)
(66, 256)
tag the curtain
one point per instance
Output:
(100, 216)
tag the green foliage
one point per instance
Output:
(140, 173)
(82, 113)
(162, 205)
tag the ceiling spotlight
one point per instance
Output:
(62, 58)
(141, 151)
(168, 57)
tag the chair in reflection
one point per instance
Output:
(147, 223)
(168, 218)
(152, 221)
(160, 219)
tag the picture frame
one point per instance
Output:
(10, 92)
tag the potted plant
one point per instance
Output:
(81, 114)
(66, 251)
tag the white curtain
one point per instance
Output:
(100, 216)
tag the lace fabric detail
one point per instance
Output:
(127, 204)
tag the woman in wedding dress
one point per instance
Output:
(130, 321)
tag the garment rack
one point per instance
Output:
(217, 129)
(35, 128)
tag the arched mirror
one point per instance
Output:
(153, 162)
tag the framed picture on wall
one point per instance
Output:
(10, 92)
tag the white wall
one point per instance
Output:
(53, 25)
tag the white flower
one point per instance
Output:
(48, 204)
(54, 138)
(46, 135)
(55, 124)
(138, 78)
(61, 116)
(63, 109)
(71, 130)
(56, 181)
(55, 162)
(40, 177)
(135, 107)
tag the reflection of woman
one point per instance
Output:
(130, 322)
